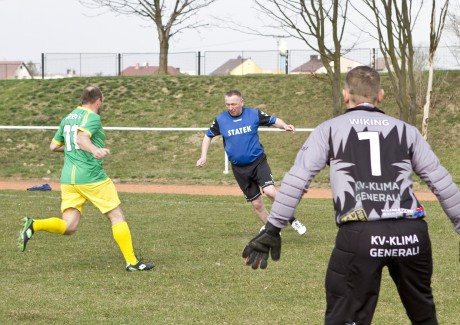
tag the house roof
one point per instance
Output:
(310, 66)
(9, 68)
(228, 66)
(139, 70)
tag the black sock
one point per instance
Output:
(292, 220)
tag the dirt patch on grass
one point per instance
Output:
(317, 193)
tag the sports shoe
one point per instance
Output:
(26, 233)
(299, 227)
(139, 267)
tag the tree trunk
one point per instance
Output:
(426, 108)
(404, 108)
(164, 50)
(334, 76)
(337, 92)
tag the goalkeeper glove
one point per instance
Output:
(266, 242)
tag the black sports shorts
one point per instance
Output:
(253, 176)
(354, 273)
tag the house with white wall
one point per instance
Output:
(237, 67)
(14, 70)
(315, 65)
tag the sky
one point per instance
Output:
(31, 27)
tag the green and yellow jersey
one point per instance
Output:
(80, 167)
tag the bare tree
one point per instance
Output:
(32, 68)
(453, 27)
(321, 25)
(453, 21)
(435, 37)
(169, 16)
(394, 21)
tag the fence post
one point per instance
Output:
(225, 163)
(43, 66)
(119, 64)
(373, 58)
(199, 63)
(286, 63)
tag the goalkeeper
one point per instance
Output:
(381, 223)
(81, 137)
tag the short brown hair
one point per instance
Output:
(363, 84)
(90, 95)
(231, 93)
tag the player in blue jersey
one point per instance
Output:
(239, 126)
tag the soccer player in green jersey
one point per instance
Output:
(81, 137)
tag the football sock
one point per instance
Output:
(122, 236)
(53, 225)
(292, 220)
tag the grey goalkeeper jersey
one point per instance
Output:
(371, 157)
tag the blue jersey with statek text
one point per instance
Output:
(240, 134)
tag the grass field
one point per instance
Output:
(190, 101)
(196, 242)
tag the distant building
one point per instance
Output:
(310, 66)
(146, 70)
(70, 73)
(315, 65)
(14, 70)
(380, 65)
(237, 67)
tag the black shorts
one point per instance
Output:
(253, 176)
(354, 273)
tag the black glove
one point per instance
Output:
(256, 251)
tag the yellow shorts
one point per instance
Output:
(102, 194)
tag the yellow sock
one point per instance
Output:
(53, 225)
(122, 236)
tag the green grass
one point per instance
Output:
(189, 101)
(196, 242)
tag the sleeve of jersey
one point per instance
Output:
(214, 130)
(59, 136)
(265, 119)
(91, 124)
(310, 160)
(427, 166)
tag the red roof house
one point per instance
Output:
(14, 70)
(146, 70)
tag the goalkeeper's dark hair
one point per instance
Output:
(90, 95)
(363, 84)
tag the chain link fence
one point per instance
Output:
(63, 65)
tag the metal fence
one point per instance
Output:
(61, 65)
